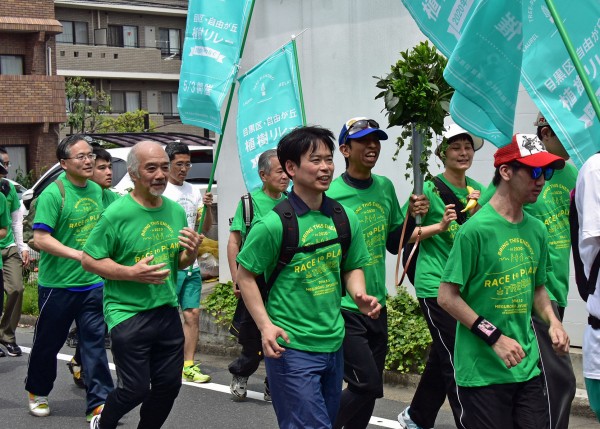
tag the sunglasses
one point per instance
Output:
(359, 125)
(536, 172)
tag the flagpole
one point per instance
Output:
(225, 117)
(576, 62)
(299, 80)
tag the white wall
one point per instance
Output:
(346, 44)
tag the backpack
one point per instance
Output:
(30, 217)
(242, 325)
(5, 187)
(448, 197)
(585, 286)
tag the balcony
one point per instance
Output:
(32, 99)
(110, 61)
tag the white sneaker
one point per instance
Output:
(405, 420)
(239, 387)
(38, 405)
(95, 423)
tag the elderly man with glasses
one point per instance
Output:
(66, 212)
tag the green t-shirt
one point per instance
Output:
(378, 211)
(305, 299)
(126, 233)
(109, 197)
(434, 251)
(552, 208)
(261, 203)
(5, 220)
(12, 204)
(497, 265)
(71, 226)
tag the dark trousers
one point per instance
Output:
(58, 309)
(248, 335)
(505, 406)
(437, 380)
(248, 361)
(148, 353)
(557, 375)
(365, 347)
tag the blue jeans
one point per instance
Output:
(306, 388)
(58, 308)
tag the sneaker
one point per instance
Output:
(38, 405)
(405, 420)
(239, 387)
(95, 412)
(95, 422)
(12, 349)
(192, 373)
(267, 394)
(75, 370)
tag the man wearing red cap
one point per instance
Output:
(494, 278)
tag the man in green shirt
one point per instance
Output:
(66, 292)
(15, 255)
(302, 327)
(493, 279)
(262, 201)
(373, 199)
(139, 260)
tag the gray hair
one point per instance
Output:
(264, 160)
(133, 161)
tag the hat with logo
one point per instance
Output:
(541, 121)
(528, 150)
(356, 128)
(454, 130)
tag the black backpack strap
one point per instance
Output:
(247, 210)
(289, 240)
(591, 283)
(449, 197)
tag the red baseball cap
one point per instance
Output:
(528, 150)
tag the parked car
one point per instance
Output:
(199, 174)
(18, 187)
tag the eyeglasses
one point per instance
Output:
(359, 125)
(536, 172)
(6, 164)
(82, 157)
(183, 165)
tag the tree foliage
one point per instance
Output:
(128, 122)
(415, 93)
(85, 105)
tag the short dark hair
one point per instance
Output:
(539, 131)
(514, 165)
(102, 154)
(3, 150)
(302, 140)
(63, 150)
(176, 148)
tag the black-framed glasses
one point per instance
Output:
(82, 157)
(6, 164)
(361, 124)
(536, 172)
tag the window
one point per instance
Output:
(124, 36)
(169, 41)
(169, 104)
(11, 64)
(74, 32)
(125, 101)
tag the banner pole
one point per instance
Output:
(299, 80)
(225, 117)
(576, 62)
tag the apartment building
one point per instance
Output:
(32, 102)
(130, 49)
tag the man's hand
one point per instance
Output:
(25, 258)
(236, 290)
(142, 272)
(509, 351)
(208, 199)
(449, 216)
(269, 340)
(560, 339)
(368, 305)
(418, 205)
(190, 240)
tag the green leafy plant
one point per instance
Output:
(408, 336)
(128, 122)
(30, 297)
(221, 303)
(415, 93)
(25, 179)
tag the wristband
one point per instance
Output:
(486, 331)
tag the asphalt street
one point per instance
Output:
(204, 406)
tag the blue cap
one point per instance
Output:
(363, 127)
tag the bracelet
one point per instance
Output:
(486, 331)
